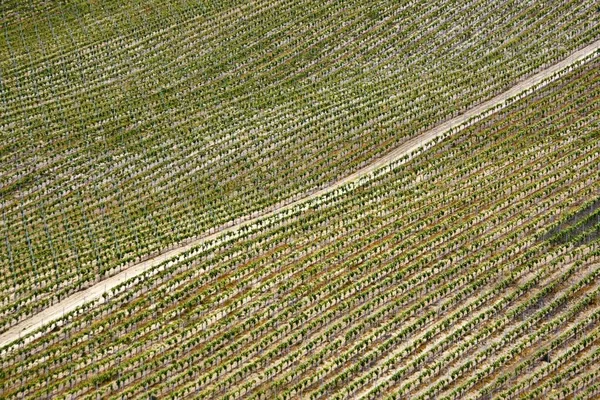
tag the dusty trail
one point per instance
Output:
(455, 125)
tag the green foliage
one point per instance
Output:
(130, 126)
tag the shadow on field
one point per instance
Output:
(579, 228)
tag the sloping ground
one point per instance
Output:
(395, 157)
(129, 127)
(430, 281)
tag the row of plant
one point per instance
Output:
(129, 128)
(425, 281)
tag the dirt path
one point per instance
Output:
(458, 123)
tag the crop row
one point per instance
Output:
(434, 280)
(127, 129)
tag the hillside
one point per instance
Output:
(472, 265)
(229, 134)
(129, 128)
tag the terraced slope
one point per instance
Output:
(470, 271)
(128, 127)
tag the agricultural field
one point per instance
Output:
(127, 128)
(469, 269)
(297, 199)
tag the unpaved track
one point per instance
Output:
(458, 123)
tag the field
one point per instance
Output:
(128, 129)
(468, 268)
(472, 269)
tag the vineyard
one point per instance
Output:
(467, 268)
(128, 129)
(470, 270)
